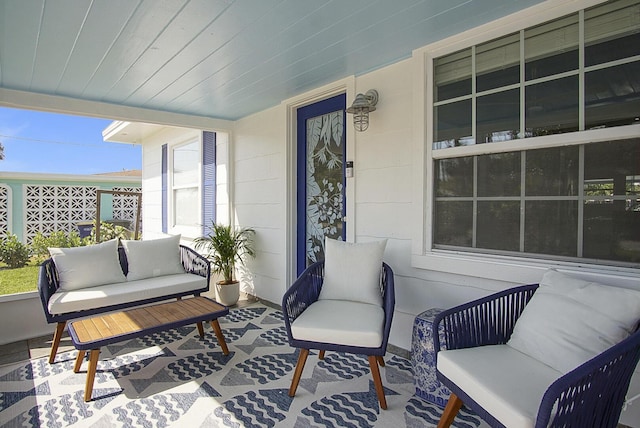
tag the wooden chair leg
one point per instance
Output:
(200, 329)
(321, 355)
(302, 358)
(450, 411)
(79, 358)
(57, 335)
(91, 373)
(375, 372)
(380, 360)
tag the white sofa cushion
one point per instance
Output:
(88, 266)
(494, 376)
(341, 322)
(352, 271)
(153, 258)
(569, 321)
(62, 302)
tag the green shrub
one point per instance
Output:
(13, 252)
(59, 239)
(109, 231)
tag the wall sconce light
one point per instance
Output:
(362, 105)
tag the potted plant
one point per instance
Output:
(225, 246)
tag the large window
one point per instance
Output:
(529, 191)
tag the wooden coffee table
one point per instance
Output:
(90, 334)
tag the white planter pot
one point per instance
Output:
(228, 294)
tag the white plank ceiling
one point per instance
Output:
(216, 58)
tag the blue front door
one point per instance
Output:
(321, 178)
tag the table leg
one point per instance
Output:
(200, 329)
(79, 358)
(216, 328)
(91, 373)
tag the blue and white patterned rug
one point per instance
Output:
(177, 379)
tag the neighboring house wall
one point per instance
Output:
(32, 203)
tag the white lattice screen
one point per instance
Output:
(4, 208)
(59, 208)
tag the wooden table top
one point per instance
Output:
(90, 333)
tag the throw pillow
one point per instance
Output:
(568, 320)
(89, 266)
(352, 271)
(155, 257)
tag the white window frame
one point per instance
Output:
(187, 231)
(495, 267)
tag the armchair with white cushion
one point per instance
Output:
(344, 304)
(560, 353)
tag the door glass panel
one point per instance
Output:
(325, 188)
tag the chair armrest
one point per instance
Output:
(194, 262)
(302, 293)
(486, 321)
(593, 394)
(47, 285)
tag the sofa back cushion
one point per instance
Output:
(155, 257)
(352, 271)
(568, 320)
(89, 266)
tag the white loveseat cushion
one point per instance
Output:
(340, 322)
(88, 266)
(113, 294)
(352, 271)
(153, 258)
(568, 320)
(494, 376)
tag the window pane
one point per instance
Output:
(552, 172)
(452, 75)
(454, 223)
(550, 227)
(611, 32)
(551, 48)
(612, 201)
(552, 107)
(498, 116)
(186, 206)
(454, 177)
(499, 175)
(498, 63)
(498, 225)
(186, 161)
(612, 96)
(452, 125)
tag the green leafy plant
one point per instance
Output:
(40, 243)
(13, 252)
(109, 231)
(226, 246)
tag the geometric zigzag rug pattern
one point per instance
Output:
(177, 379)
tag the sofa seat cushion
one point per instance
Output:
(340, 322)
(62, 302)
(494, 376)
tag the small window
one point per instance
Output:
(185, 186)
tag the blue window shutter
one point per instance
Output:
(208, 180)
(165, 171)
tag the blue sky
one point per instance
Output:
(57, 143)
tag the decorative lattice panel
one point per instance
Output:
(57, 208)
(4, 209)
(125, 206)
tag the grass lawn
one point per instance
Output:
(18, 280)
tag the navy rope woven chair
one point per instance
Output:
(316, 319)
(487, 368)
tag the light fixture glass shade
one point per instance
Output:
(362, 105)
